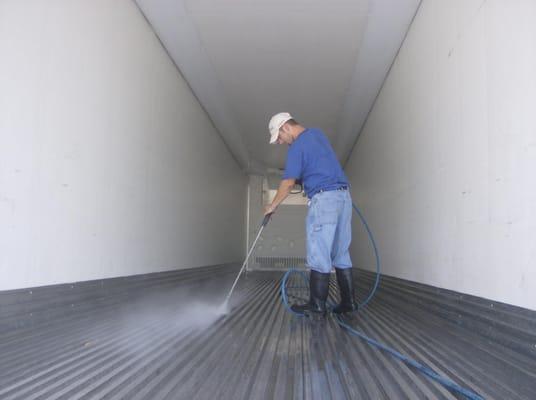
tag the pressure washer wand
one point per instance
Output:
(263, 224)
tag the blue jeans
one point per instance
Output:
(329, 230)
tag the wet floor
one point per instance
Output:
(169, 343)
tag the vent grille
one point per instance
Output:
(280, 262)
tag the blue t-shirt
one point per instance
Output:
(311, 159)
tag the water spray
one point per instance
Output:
(225, 306)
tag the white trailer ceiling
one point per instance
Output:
(323, 61)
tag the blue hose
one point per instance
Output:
(423, 369)
(284, 294)
(376, 255)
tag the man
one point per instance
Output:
(311, 160)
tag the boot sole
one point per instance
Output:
(315, 316)
(345, 312)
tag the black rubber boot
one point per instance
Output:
(318, 289)
(346, 288)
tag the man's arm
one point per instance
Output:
(282, 192)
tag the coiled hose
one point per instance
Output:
(421, 368)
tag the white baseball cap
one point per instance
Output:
(276, 122)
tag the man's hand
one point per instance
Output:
(268, 209)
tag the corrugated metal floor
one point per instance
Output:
(138, 348)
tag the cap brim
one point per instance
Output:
(274, 138)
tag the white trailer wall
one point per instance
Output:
(445, 166)
(108, 164)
